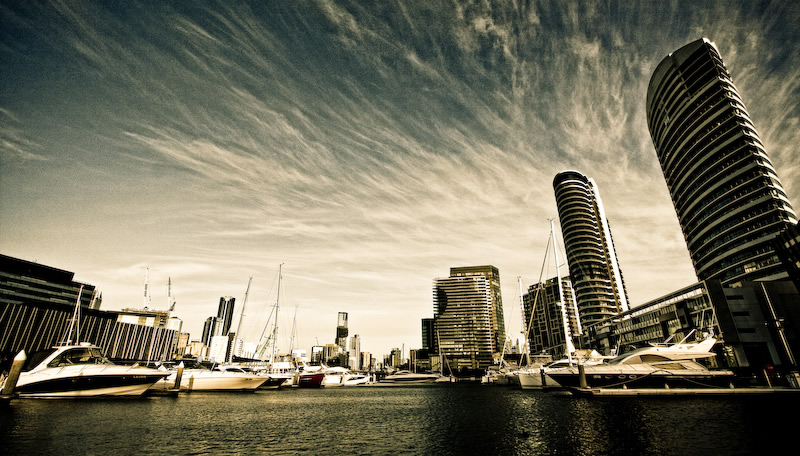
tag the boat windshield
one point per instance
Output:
(79, 355)
(639, 359)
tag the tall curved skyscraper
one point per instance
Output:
(728, 198)
(593, 267)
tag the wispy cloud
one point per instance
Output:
(369, 149)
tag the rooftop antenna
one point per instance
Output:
(170, 299)
(146, 294)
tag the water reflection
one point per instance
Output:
(434, 419)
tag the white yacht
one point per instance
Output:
(535, 377)
(354, 379)
(334, 376)
(73, 371)
(654, 366)
(220, 378)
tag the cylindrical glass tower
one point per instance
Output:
(728, 198)
(596, 276)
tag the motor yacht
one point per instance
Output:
(653, 366)
(73, 371)
(219, 378)
(355, 379)
(334, 376)
(535, 377)
(310, 379)
(405, 376)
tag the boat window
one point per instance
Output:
(653, 359)
(639, 359)
(81, 355)
(672, 365)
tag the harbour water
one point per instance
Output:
(457, 419)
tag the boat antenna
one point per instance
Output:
(146, 295)
(170, 300)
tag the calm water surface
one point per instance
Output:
(423, 419)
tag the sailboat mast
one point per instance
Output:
(294, 332)
(525, 354)
(237, 334)
(275, 323)
(74, 322)
(569, 347)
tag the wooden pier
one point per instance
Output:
(592, 392)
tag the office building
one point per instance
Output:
(593, 266)
(23, 281)
(428, 334)
(341, 330)
(729, 201)
(468, 314)
(225, 315)
(354, 355)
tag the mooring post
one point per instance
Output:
(178, 376)
(582, 377)
(13, 374)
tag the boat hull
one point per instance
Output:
(644, 378)
(410, 378)
(535, 380)
(311, 380)
(220, 381)
(354, 380)
(332, 381)
(86, 384)
(273, 382)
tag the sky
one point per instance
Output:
(367, 147)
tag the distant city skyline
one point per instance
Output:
(367, 148)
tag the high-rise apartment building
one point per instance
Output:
(468, 314)
(593, 267)
(729, 201)
(544, 312)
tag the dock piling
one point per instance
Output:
(13, 374)
(582, 376)
(178, 376)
